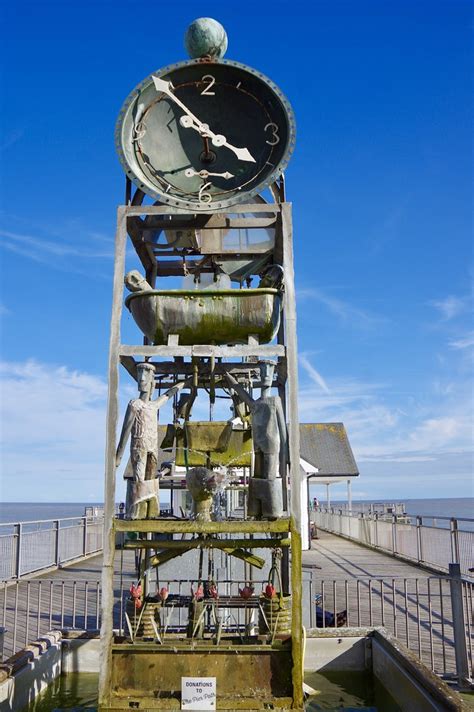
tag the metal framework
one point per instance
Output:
(173, 361)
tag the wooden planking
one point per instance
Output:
(341, 558)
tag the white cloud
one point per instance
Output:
(313, 373)
(464, 342)
(38, 247)
(450, 307)
(52, 432)
(345, 311)
(381, 431)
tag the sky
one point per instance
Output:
(380, 182)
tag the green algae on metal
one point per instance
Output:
(227, 316)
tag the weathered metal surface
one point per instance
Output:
(206, 350)
(215, 440)
(153, 154)
(178, 526)
(248, 676)
(207, 316)
(206, 543)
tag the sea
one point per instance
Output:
(13, 512)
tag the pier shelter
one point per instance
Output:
(326, 457)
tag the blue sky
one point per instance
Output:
(381, 189)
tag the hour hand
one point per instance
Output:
(190, 172)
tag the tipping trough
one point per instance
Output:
(226, 316)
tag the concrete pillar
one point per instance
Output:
(349, 496)
(328, 497)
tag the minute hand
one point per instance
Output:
(243, 154)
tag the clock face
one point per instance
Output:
(205, 135)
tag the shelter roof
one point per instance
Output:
(326, 447)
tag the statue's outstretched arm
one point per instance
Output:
(241, 392)
(159, 402)
(125, 434)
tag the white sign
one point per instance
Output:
(198, 693)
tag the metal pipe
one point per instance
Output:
(358, 602)
(27, 624)
(417, 594)
(394, 609)
(15, 616)
(62, 604)
(18, 530)
(51, 584)
(443, 637)
(74, 593)
(407, 631)
(38, 616)
(86, 591)
(430, 617)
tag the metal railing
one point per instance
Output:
(30, 547)
(417, 611)
(432, 615)
(432, 541)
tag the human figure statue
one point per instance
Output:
(140, 423)
(270, 446)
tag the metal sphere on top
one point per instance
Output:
(205, 37)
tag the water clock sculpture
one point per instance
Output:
(204, 144)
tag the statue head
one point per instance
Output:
(266, 373)
(146, 377)
(135, 282)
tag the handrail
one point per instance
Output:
(61, 519)
(31, 547)
(373, 515)
(408, 537)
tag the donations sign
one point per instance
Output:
(198, 693)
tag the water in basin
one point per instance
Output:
(347, 691)
(336, 691)
(73, 692)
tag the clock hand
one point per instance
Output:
(190, 172)
(243, 154)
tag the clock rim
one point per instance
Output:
(239, 196)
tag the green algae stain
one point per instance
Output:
(68, 692)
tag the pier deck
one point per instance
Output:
(375, 589)
(340, 558)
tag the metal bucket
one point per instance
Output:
(227, 316)
(275, 615)
(141, 621)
